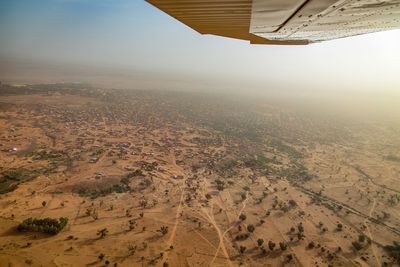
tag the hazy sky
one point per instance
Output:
(132, 35)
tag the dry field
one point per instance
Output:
(175, 179)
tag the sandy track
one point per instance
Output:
(373, 248)
(177, 216)
(171, 239)
(222, 236)
(221, 244)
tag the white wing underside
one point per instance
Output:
(322, 20)
(285, 21)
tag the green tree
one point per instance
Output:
(220, 184)
(311, 245)
(88, 212)
(283, 246)
(102, 232)
(300, 227)
(300, 236)
(357, 245)
(271, 245)
(250, 228)
(163, 230)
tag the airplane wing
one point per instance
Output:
(284, 21)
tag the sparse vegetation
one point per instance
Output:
(102, 232)
(254, 174)
(271, 245)
(357, 245)
(250, 228)
(394, 251)
(11, 178)
(163, 230)
(119, 188)
(282, 246)
(392, 157)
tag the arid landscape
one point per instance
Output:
(155, 178)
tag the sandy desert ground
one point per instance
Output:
(150, 178)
